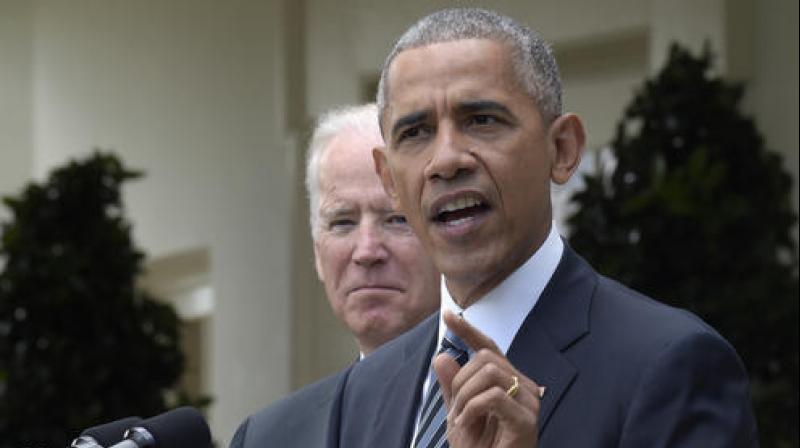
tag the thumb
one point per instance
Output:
(446, 369)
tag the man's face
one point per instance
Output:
(468, 159)
(377, 278)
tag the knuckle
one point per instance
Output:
(496, 394)
(456, 385)
(485, 354)
(492, 370)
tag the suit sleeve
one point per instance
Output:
(238, 438)
(695, 394)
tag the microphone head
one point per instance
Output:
(179, 428)
(110, 433)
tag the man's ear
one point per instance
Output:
(568, 138)
(383, 171)
(317, 262)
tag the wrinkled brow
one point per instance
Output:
(339, 210)
(336, 209)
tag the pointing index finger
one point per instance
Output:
(469, 334)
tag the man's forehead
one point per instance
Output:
(477, 63)
(348, 156)
(354, 193)
(447, 51)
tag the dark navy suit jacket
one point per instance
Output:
(299, 420)
(621, 370)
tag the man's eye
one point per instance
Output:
(341, 224)
(397, 219)
(483, 120)
(412, 132)
(398, 223)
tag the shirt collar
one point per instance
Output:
(500, 313)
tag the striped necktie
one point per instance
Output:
(432, 426)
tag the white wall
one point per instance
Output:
(691, 23)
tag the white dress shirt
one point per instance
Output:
(500, 313)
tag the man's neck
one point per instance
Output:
(467, 291)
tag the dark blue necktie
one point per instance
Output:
(432, 430)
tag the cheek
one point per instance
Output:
(531, 169)
(409, 182)
(333, 257)
(403, 250)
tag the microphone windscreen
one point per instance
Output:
(179, 428)
(110, 433)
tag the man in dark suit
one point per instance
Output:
(377, 278)
(539, 349)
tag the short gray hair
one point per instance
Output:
(532, 57)
(361, 119)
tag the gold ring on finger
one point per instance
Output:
(514, 389)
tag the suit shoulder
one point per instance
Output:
(315, 394)
(644, 315)
(613, 308)
(627, 325)
(299, 419)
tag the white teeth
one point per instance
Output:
(457, 221)
(460, 203)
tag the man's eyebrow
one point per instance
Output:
(335, 211)
(409, 119)
(482, 106)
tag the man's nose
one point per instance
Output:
(452, 155)
(370, 248)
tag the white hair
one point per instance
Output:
(532, 58)
(361, 119)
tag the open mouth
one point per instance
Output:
(460, 210)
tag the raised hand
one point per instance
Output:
(489, 402)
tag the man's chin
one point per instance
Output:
(379, 327)
(375, 320)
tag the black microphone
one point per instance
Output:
(101, 436)
(183, 427)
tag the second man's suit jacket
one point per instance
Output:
(620, 370)
(299, 420)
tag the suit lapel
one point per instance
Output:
(560, 317)
(395, 419)
(543, 363)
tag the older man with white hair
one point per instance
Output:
(377, 278)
